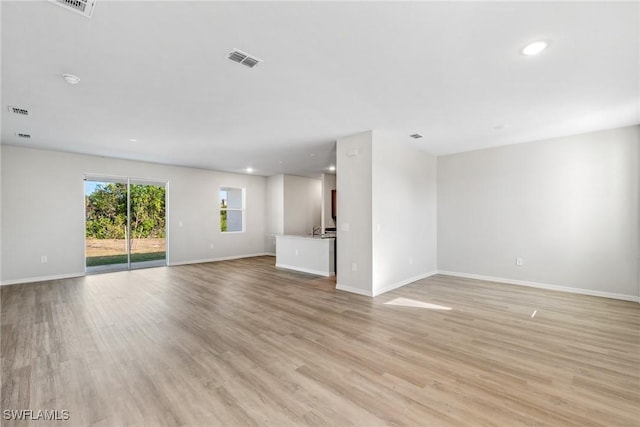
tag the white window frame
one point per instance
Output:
(243, 209)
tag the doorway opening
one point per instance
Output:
(125, 224)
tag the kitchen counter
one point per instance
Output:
(309, 254)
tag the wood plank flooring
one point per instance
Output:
(241, 343)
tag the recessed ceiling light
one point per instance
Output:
(498, 127)
(332, 168)
(132, 140)
(71, 79)
(312, 155)
(249, 169)
(534, 48)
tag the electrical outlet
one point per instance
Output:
(354, 266)
(519, 262)
(211, 245)
(43, 259)
(410, 260)
(296, 252)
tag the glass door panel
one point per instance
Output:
(148, 224)
(106, 228)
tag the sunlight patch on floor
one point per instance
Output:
(407, 302)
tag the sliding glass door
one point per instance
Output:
(125, 224)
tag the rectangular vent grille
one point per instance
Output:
(83, 7)
(18, 110)
(23, 135)
(243, 58)
(415, 136)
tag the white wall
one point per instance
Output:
(43, 211)
(314, 256)
(354, 245)
(567, 206)
(387, 196)
(302, 204)
(328, 184)
(404, 214)
(275, 211)
(293, 206)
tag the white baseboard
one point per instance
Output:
(72, 275)
(227, 258)
(41, 279)
(403, 283)
(353, 290)
(543, 286)
(387, 288)
(305, 270)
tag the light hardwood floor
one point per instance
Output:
(242, 343)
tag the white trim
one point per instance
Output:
(306, 270)
(543, 286)
(386, 288)
(41, 279)
(270, 253)
(166, 223)
(353, 290)
(227, 258)
(72, 275)
(403, 283)
(243, 209)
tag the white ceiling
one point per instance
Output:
(157, 72)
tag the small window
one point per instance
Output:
(231, 209)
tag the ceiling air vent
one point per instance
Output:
(18, 110)
(83, 7)
(243, 58)
(415, 136)
(23, 135)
